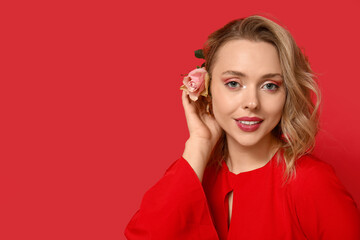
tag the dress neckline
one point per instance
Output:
(254, 171)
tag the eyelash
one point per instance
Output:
(272, 84)
(231, 82)
(237, 84)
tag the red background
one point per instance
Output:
(91, 111)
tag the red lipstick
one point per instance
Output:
(249, 124)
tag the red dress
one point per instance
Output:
(314, 205)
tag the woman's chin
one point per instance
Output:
(250, 141)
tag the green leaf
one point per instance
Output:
(199, 54)
(203, 65)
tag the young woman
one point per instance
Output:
(246, 171)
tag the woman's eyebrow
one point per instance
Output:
(271, 75)
(241, 74)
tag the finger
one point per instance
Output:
(188, 107)
(212, 124)
(184, 98)
(192, 118)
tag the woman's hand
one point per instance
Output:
(204, 133)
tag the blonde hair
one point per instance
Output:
(299, 123)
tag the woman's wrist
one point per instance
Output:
(197, 153)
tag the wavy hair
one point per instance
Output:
(299, 123)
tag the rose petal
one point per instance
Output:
(184, 88)
(193, 96)
(196, 83)
(186, 80)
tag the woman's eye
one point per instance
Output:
(232, 84)
(271, 86)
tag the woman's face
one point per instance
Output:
(248, 94)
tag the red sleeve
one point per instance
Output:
(174, 208)
(325, 209)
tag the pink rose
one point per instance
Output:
(196, 83)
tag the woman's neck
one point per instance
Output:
(246, 158)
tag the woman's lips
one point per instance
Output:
(249, 124)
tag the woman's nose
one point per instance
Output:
(250, 99)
